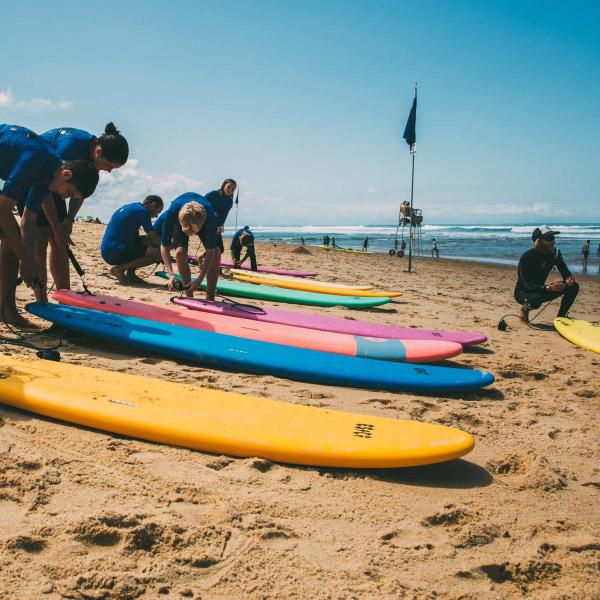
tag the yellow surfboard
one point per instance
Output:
(223, 422)
(256, 274)
(311, 286)
(582, 333)
(345, 250)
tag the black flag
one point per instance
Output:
(237, 198)
(410, 134)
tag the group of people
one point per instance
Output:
(42, 172)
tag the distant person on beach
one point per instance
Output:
(243, 239)
(585, 250)
(122, 245)
(535, 266)
(434, 249)
(366, 244)
(302, 242)
(334, 245)
(190, 214)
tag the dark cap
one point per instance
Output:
(543, 232)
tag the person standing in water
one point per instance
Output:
(366, 244)
(534, 267)
(434, 249)
(585, 250)
(55, 224)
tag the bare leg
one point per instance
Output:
(524, 315)
(41, 246)
(212, 276)
(59, 265)
(183, 266)
(9, 271)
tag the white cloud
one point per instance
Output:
(8, 100)
(131, 183)
(497, 209)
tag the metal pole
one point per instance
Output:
(410, 235)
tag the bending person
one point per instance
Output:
(31, 171)
(107, 152)
(122, 244)
(243, 238)
(190, 214)
(534, 267)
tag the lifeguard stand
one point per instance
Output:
(413, 218)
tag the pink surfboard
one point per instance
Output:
(262, 269)
(413, 351)
(330, 324)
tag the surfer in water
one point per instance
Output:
(122, 245)
(243, 238)
(32, 172)
(190, 214)
(55, 224)
(535, 266)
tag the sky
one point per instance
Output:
(304, 103)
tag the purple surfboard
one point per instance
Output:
(261, 269)
(327, 323)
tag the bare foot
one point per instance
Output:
(524, 316)
(16, 320)
(119, 275)
(133, 278)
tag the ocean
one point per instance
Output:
(500, 244)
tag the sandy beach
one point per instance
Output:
(90, 515)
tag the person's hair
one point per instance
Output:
(83, 176)
(114, 146)
(190, 214)
(153, 200)
(536, 234)
(246, 239)
(228, 181)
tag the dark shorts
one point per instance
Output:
(61, 211)
(126, 255)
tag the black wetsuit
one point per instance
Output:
(534, 268)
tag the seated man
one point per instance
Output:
(534, 266)
(122, 244)
(243, 238)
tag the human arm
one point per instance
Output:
(563, 269)
(60, 235)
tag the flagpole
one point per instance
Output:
(410, 234)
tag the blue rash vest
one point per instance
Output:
(70, 143)
(236, 246)
(166, 223)
(221, 204)
(26, 161)
(123, 229)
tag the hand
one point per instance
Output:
(570, 280)
(173, 283)
(67, 226)
(29, 272)
(220, 229)
(556, 286)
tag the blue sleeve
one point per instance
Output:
(167, 229)
(146, 221)
(208, 233)
(36, 197)
(34, 167)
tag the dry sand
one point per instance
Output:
(84, 514)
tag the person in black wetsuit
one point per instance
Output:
(534, 267)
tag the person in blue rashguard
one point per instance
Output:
(243, 238)
(122, 244)
(28, 163)
(222, 201)
(107, 152)
(190, 214)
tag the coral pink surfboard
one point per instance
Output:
(411, 351)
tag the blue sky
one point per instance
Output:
(304, 103)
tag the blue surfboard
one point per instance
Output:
(219, 351)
